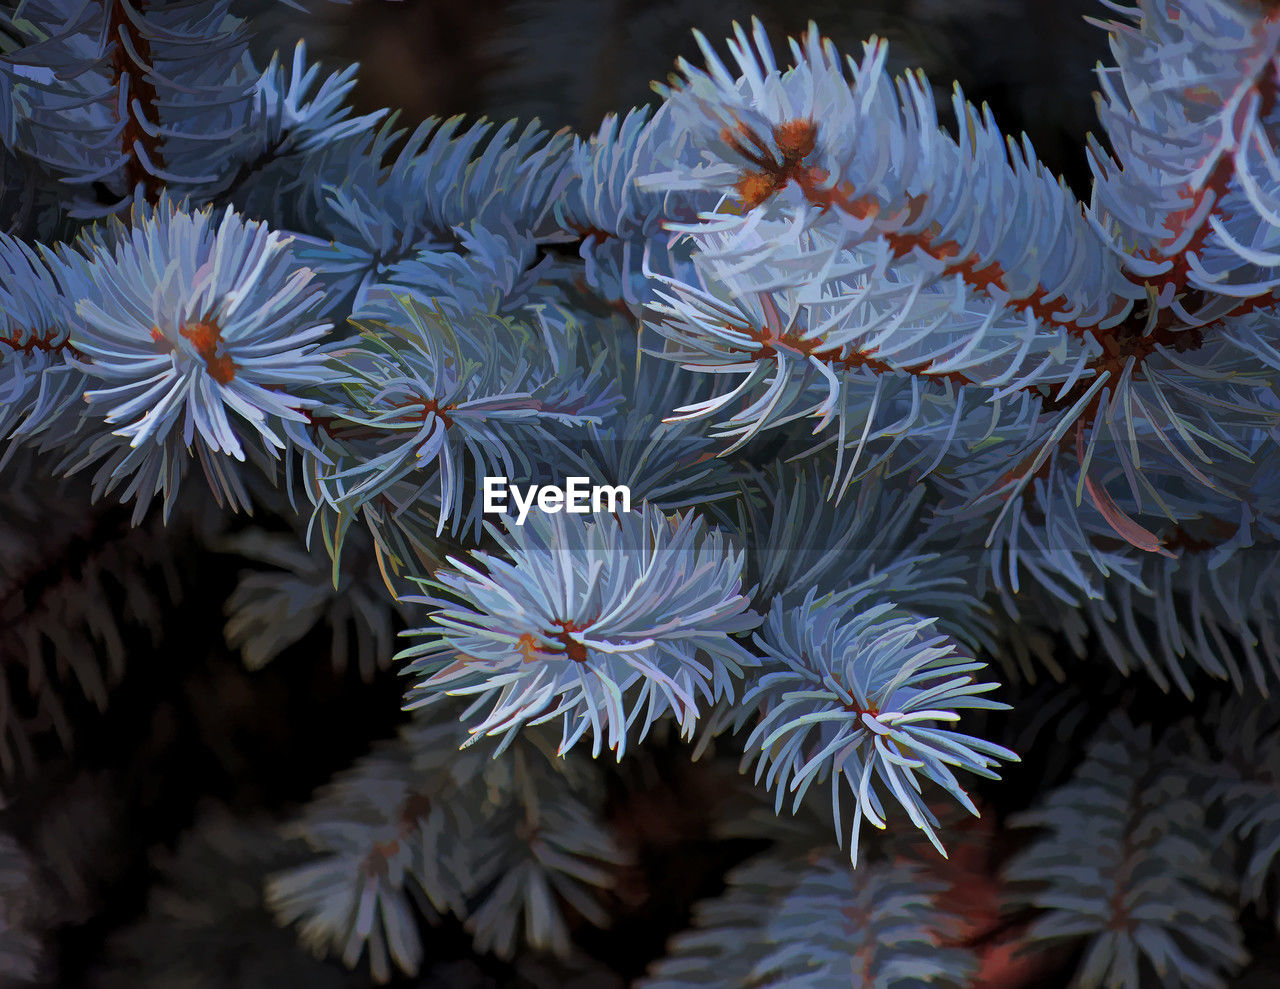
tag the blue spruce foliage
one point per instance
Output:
(928, 460)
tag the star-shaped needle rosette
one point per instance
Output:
(858, 692)
(201, 332)
(591, 621)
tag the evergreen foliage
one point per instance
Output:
(875, 925)
(913, 435)
(502, 844)
(1129, 863)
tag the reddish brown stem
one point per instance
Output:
(141, 113)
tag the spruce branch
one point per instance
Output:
(1147, 895)
(590, 623)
